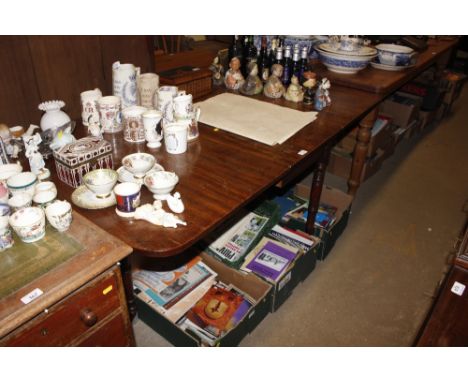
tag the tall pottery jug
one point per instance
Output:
(124, 83)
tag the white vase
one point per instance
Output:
(53, 117)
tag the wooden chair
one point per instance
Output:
(167, 44)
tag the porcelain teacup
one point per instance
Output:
(29, 224)
(59, 215)
(20, 200)
(138, 164)
(101, 182)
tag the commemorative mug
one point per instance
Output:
(134, 130)
(148, 84)
(89, 111)
(165, 103)
(109, 112)
(182, 106)
(124, 83)
(175, 137)
(127, 195)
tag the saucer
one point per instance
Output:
(83, 197)
(127, 176)
(391, 68)
(124, 214)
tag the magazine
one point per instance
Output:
(233, 244)
(325, 217)
(270, 258)
(291, 237)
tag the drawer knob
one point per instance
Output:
(88, 317)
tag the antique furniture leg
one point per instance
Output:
(360, 151)
(126, 269)
(316, 189)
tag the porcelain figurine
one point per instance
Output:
(322, 96)
(309, 84)
(62, 138)
(253, 84)
(234, 78)
(274, 87)
(218, 72)
(294, 92)
(157, 216)
(175, 203)
(36, 162)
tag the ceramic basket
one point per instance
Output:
(75, 160)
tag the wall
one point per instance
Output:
(40, 68)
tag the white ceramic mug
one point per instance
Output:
(148, 84)
(183, 106)
(151, 119)
(134, 130)
(124, 83)
(110, 115)
(89, 111)
(175, 137)
(166, 96)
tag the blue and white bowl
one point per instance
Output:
(344, 63)
(392, 54)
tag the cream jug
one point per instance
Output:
(124, 83)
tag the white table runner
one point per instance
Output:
(261, 121)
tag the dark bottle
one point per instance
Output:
(296, 66)
(287, 66)
(304, 63)
(235, 50)
(245, 53)
(263, 61)
(271, 55)
(278, 57)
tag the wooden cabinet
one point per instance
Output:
(94, 315)
(82, 297)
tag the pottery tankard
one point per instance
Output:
(89, 111)
(148, 84)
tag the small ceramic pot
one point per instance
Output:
(44, 198)
(20, 200)
(29, 224)
(127, 195)
(59, 215)
(23, 182)
(138, 164)
(101, 182)
(6, 238)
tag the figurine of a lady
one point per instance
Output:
(36, 162)
(218, 72)
(322, 96)
(253, 84)
(234, 78)
(294, 92)
(274, 87)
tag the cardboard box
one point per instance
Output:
(249, 283)
(426, 118)
(402, 110)
(413, 129)
(335, 198)
(381, 133)
(340, 164)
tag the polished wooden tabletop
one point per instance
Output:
(383, 81)
(221, 172)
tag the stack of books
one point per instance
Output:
(325, 217)
(174, 293)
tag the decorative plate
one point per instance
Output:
(363, 50)
(83, 197)
(127, 176)
(391, 68)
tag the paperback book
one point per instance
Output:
(291, 237)
(270, 258)
(325, 217)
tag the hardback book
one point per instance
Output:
(270, 258)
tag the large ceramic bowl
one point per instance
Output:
(29, 224)
(138, 164)
(344, 63)
(101, 182)
(160, 183)
(22, 182)
(392, 54)
(8, 170)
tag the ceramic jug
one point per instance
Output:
(124, 83)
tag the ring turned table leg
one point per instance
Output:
(126, 269)
(360, 151)
(316, 190)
